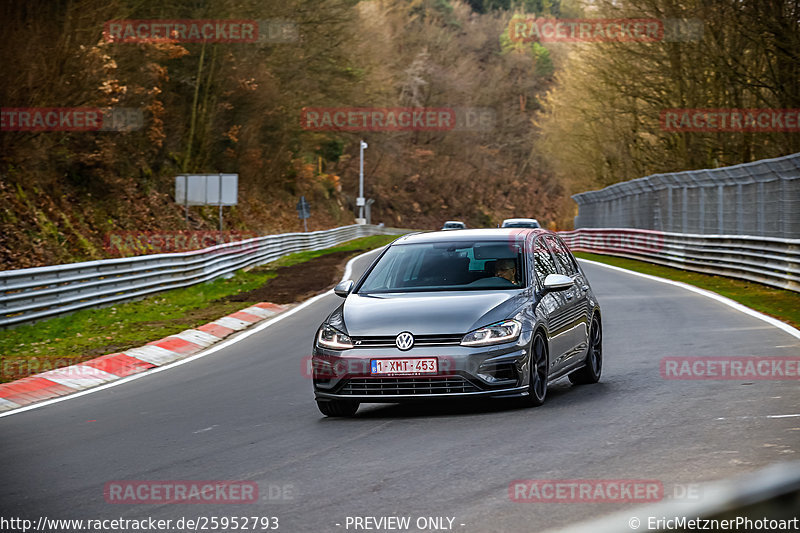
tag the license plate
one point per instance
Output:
(424, 365)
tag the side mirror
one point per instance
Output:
(557, 282)
(344, 288)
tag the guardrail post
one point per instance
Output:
(761, 208)
(684, 208)
(739, 208)
(669, 227)
(702, 222)
(789, 212)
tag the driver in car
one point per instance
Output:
(506, 269)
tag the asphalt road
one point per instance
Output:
(247, 413)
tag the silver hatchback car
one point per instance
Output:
(470, 313)
(520, 223)
(453, 224)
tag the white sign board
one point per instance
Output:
(206, 189)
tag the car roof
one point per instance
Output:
(454, 222)
(469, 235)
(520, 220)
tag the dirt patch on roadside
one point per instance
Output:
(301, 281)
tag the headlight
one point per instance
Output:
(505, 331)
(330, 337)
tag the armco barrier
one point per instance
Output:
(767, 260)
(35, 293)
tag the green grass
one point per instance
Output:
(781, 304)
(89, 333)
(375, 241)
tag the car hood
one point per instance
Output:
(426, 313)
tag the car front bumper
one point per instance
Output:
(463, 372)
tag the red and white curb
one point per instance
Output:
(67, 380)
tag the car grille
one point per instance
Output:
(419, 340)
(407, 386)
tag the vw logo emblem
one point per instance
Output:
(404, 341)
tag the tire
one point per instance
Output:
(539, 371)
(338, 407)
(590, 373)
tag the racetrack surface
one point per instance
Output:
(247, 412)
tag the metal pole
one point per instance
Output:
(361, 178)
(186, 198)
(219, 198)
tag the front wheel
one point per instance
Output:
(590, 373)
(537, 384)
(338, 407)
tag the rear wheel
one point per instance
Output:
(590, 373)
(338, 407)
(537, 384)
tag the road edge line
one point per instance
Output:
(708, 294)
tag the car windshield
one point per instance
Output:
(520, 225)
(447, 266)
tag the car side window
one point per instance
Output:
(543, 261)
(563, 256)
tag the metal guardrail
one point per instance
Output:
(771, 261)
(32, 294)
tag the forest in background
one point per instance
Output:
(568, 117)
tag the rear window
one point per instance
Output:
(520, 225)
